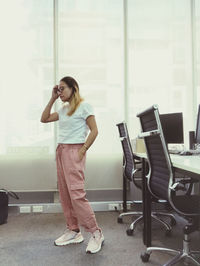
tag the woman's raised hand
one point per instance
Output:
(55, 92)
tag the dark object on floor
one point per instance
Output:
(4, 199)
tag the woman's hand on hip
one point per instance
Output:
(81, 152)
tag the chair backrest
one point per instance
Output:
(160, 175)
(129, 163)
(123, 131)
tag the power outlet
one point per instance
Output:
(113, 206)
(38, 208)
(129, 206)
(25, 209)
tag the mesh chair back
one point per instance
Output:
(160, 171)
(123, 131)
(129, 164)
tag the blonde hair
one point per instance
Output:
(76, 98)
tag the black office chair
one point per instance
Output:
(162, 184)
(131, 165)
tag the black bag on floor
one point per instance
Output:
(4, 199)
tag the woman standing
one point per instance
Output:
(76, 118)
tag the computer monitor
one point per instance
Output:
(198, 127)
(172, 125)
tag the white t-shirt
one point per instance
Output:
(73, 129)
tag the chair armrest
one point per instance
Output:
(188, 180)
(148, 134)
(177, 186)
(180, 185)
(135, 157)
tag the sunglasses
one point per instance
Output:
(61, 89)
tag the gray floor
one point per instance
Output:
(27, 239)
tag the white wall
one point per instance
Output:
(39, 174)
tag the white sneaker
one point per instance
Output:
(95, 243)
(69, 237)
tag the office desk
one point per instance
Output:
(188, 165)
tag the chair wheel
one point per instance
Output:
(129, 232)
(120, 220)
(145, 257)
(173, 222)
(168, 232)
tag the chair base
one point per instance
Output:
(186, 253)
(155, 216)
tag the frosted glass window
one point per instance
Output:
(159, 56)
(26, 75)
(91, 51)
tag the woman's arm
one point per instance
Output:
(91, 122)
(46, 115)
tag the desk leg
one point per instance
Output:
(146, 207)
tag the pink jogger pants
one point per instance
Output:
(70, 171)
